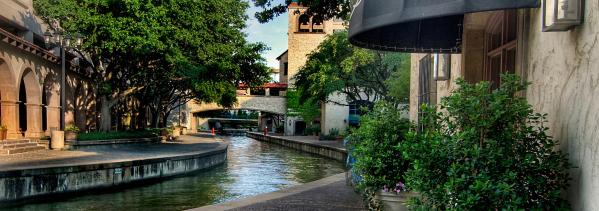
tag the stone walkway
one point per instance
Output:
(314, 140)
(330, 193)
(51, 158)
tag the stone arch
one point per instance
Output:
(8, 98)
(303, 23)
(30, 104)
(317, 24)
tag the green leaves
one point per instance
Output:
(486, 151)
(338, 67)
(376, 147)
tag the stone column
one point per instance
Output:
(248, 92)
(53, 114)
(34, 121)
(193, 127)
(10, 118)
(267, 92)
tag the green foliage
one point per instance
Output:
(71, 128)
(313, 130)
(486, 151)
(307, 109)
(334, 132)
(336, 66)
(117, 135)
(327, 8)
(3, 128)
(163, 52)
(375, 146)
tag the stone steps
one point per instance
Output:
(9, 147)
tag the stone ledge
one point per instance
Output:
(21, 184)
(339, 154)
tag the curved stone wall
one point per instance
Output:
(17, 185)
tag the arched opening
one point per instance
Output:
(22, 107)
(44, 110)
(8, 97)
(317, 24)
(304, 23)
(29, 105)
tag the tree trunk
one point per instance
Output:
(105, 114)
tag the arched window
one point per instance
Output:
(317, 24)
(500, 45)
(304, 23)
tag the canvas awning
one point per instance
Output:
(418, 26)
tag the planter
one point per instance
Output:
(3, 134)
(394, 202)
(70, 136)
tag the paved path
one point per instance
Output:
(314, 140)
(51, 158)
(330, 193)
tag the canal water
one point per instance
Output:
(252, 168)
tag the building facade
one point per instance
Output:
(305, 33)
(562, 67)
(30, 78)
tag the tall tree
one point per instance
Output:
(163, 49)
(326, 8)
(362, 75)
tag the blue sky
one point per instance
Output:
(273, 33)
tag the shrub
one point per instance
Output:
(71, 128)
(117, 135)
(313, 129)
(334, 132)
(486, 151)
(374, 146)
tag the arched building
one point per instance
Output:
(30, 77)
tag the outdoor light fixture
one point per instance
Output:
(57, 39)
(561, 15)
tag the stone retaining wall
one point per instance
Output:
(17, 185)
(326, 151)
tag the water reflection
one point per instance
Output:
(252, 168)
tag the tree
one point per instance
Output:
(164, 52)
(326, 8)
(362, 75)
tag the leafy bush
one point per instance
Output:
(117, 135)
(374, 145)
(334, 132)
(313, 130)
(71, 128)
(279, 129)
(486, 151)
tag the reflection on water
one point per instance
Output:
(252, 168)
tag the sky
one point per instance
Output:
(273, 34)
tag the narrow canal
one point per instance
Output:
(252, 168)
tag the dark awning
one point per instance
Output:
(418, 25)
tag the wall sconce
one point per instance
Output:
(561, 15)
(441, 67)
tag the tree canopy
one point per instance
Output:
(360, 74)
(162, 51)
(326, 8)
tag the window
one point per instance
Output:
(317, 24)
(500, 46)
(427, 89)
(285, 68)
(304, 23)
